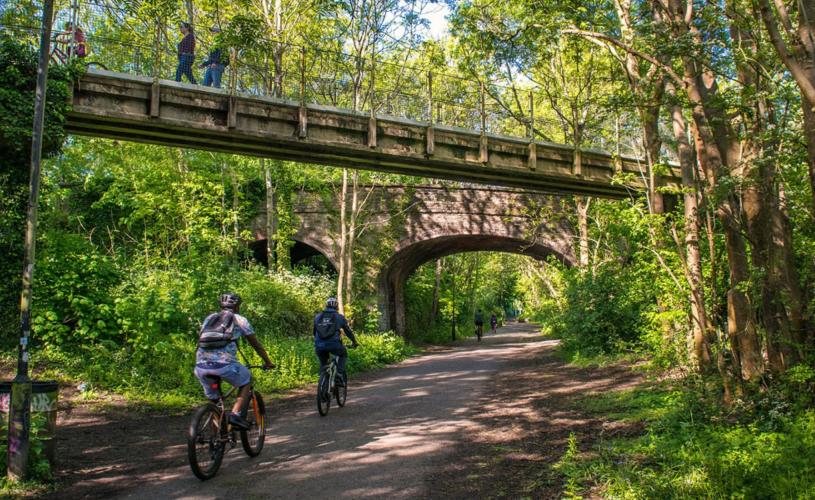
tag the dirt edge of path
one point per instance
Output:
(522, 425)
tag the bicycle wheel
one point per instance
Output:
(341, 393)
(323, 394)
(204, 446)
(252, 440)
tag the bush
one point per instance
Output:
(602, 312)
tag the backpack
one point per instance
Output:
(326, 325)
(216, 332)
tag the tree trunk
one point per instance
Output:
(700, 325)
(653, 144)
(583, 230)
(235, 204)
(271, 217)
(809, 134)
(351, 238)
(713, 141)
(434, 306)
(343, 247)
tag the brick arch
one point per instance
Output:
(393, 277)
(304, 246)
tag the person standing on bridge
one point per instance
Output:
(215, 63)
(328, 327)
(186, 54)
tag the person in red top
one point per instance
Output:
(186, 54)
(79, 44)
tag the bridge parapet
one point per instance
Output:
(131, 107)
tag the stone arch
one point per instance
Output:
(410, 255)
(303, 248)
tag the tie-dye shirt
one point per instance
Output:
(229, 353)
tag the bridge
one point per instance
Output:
(407, 226)
(138, 108)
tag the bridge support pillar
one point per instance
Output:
(232, 113)
(302, 123)
(155, 97)
(483, 151)
(372, 131)
(430, 146)
(532, 159)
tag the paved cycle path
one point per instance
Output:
(383, 443)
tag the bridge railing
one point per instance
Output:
(120, 39)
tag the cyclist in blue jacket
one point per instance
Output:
(328, 325)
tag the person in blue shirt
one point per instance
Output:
(221, 363)
(328, 327)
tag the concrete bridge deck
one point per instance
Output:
(123, 106)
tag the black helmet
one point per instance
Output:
(332, 303)
(230, 300)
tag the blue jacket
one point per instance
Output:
(342, 325)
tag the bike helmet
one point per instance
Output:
(230, 300)
(332, 303)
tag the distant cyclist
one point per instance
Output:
(328, 326)
(479, 324)
(493, 322)
(217, 355)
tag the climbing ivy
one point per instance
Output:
(18, 79)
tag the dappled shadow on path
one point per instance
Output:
(521, 426)
(417, 429)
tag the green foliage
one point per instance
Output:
(604, 311)
(18, 76)
(692, 449)
(482, 280)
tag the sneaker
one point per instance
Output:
(239, 422)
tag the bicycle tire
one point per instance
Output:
(253, 439)
(323, 402)
(341, 394)
(212, 445)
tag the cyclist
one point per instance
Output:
(328, 326)
(217, 355)
(493, 322)
(479, 324)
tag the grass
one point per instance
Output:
(692, 449)
(164, 381)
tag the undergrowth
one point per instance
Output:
(760, 447)
(173, 386)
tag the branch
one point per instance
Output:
(793, 65)
(593, 35)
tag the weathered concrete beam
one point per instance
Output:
(121, 106)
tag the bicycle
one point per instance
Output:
(479, 331)
(210, 432)
(327, 387)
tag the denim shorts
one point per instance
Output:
(235, 374)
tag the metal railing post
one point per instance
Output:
(302, 118)
(483, 151)
(74, 19)
(155, 89)
(372, 119)
(232, 109)
(430, 134)
(532, 159)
